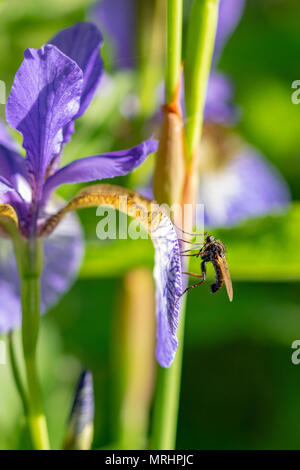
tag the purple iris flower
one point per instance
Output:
(118, 19)
(219, 105)
(245, 185)
(52, 88)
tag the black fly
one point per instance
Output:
(213, 251)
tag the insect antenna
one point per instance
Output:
(191, 243)
(192, 234)
(190, 249)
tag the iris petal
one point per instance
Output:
(167, 270)
(167, 275)
(63, 255)
(218, 102)
(5, 186)
(81, 42)
(230, 13)
(247, 186)
(119, 27)
(101, 166)
(44, 98)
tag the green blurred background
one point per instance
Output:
(239, 387)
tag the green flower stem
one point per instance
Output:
(133, 365)
(167, 397)
(16, 372)
(30, 260)
(150, 53)
(200, 44)
(168, 380)
(201, 36)
(174, 41)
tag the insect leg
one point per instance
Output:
(203, 270)
(199, 252)
(191, 243)
(195, 254)
(191, 287)
(194, 274)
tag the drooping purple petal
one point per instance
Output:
(63, 255)
(167, 275)
(167, 270)
(218, 104)
(10, 308)
(45, 96)
(118, 19)
(101, 166)
(247, 186)
(230, 13)
(81, 42)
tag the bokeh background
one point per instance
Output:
(240, 389)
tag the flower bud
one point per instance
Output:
(80, 426)
(169, 172)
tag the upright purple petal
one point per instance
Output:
(247, 186)
(118, 19)
(230, 13)
(167, 275)
(44, 98)
(101, 166)
(63, 255)
(81, 42)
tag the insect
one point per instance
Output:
(213, 251)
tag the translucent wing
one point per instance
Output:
(221, 260)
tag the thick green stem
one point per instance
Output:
(29, 258)
(150, 55)
(168, 380)
(174, 41)
(200, 44)
(167, 397)
(200, 48)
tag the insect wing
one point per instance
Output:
(221, 260)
